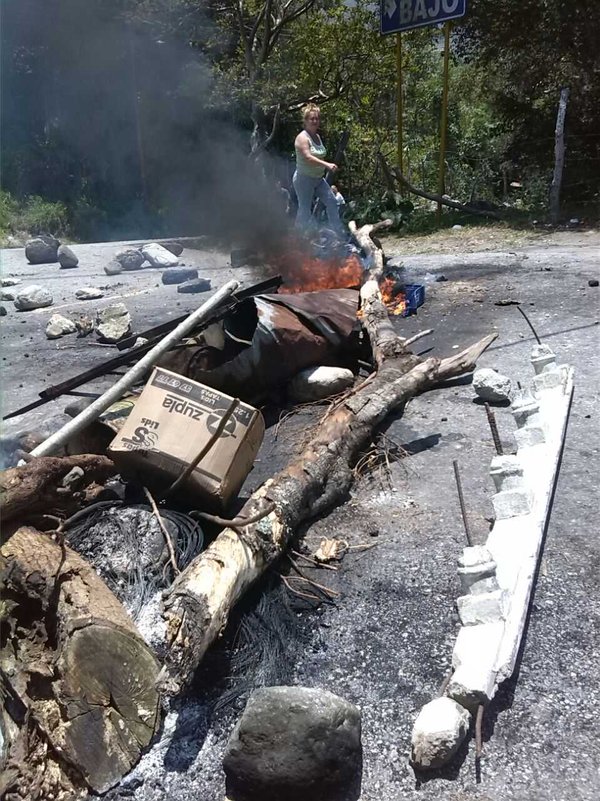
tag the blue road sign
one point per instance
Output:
(402, 15)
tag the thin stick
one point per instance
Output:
(300, 594)
(164, 530)
(417, 337)
(529, 323)
(446, 682)
(461, 500)
(494, 429)
(236, 522)
(198, 458)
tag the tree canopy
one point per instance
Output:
(138, 116)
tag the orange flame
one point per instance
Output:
(395, 303)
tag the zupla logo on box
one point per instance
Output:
(402, 15)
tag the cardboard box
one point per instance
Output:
(171, 422)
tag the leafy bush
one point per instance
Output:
(33, 215)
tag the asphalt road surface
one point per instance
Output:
(387, 641)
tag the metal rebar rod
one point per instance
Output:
(494, 429)
(478, 736)
(133, 375)
(530, 324)
(461, 500)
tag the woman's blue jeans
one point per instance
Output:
(307, 189)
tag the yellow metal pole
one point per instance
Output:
(444, 121)
(399, 108)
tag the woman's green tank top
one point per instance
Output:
(306, 167)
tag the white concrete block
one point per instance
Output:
(543, 358)
(484, 607)
(507, 473)
(489, 385)
(512, 503)
(477, 570)
(439, 729)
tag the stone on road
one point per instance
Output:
(33, 296)
(491, 386)
(158, 256)
(317, 383)
(194, 286)
(113, 268)
(295, 743)
(439, 729)
(58, 326)
(129, 259)
(177, 275)
(89, 293)
(42, 250)
(67, 259)
(113, 323)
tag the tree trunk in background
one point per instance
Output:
(559, 155)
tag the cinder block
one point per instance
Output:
(512, 503)
(486, 607)
(477, 570)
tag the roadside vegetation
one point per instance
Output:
(128, 146)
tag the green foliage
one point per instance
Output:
(33, 215)
(390, 205)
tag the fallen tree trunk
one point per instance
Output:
(394, 173)
(79, 680)
(38, 485)
(197, 606)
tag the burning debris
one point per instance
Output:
(128, 529)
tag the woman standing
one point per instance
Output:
(308, 179)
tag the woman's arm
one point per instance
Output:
(303, 145)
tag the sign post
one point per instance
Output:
(399, 107)
(443, 122)
(403, 15)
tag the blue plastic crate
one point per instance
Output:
(415, 297)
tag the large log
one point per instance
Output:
(79, 678)
(37, 486)
(199, 601)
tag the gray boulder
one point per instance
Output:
(7, 295)
(194, 286)
(33, 297)
(42, 250)
(491, 386)
(67, 259)
(9, 281)
(294, 744)
(113, 268)
(3, 311)
(177, 275)
(130, 259)
(176, 248)
(158, 256)
(113, 323)
(89, 293)
(59, 326)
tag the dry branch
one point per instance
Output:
(392, 173)
(198, 604)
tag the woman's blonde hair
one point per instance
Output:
(310, 109)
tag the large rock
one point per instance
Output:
(89, 293)
(316, 383)
(33, 297)
(6, 296)
(113, 323)
(491, 386)
(58, 326)
(194, 286)
(3, 311)
(113, 268)
(42, 250)
(439, 729)
(67, 258)
(176, 248)
(9, 281)
(158, 256)
(296, 744)
(177, 275)
(130, 259)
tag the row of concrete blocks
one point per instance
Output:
(484, 605)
